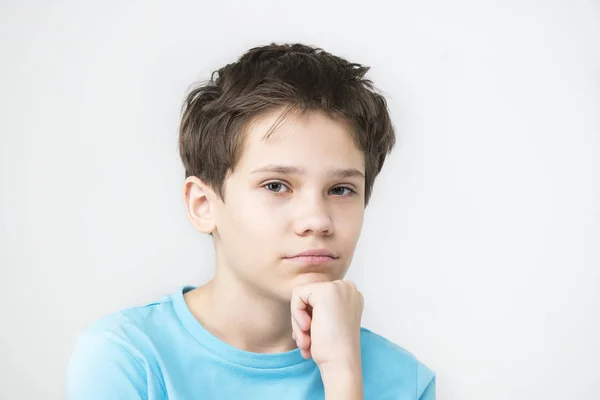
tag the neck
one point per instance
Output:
(242, 317)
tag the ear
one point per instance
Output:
(198, 197)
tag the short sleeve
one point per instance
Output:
(429, 392)
(425, 382)
(101, 369)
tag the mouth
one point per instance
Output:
(314, 257)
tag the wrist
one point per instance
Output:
(342, 380)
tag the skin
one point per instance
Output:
(300, 189)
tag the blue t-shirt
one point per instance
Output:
(160, 351)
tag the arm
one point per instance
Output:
(344, 383)
(101, 369)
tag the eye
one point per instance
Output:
(342, 191)
(276, 187)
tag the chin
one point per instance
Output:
(310, 277)
(286, 289)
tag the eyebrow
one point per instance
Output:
(290, 170)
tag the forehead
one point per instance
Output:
(311, 140)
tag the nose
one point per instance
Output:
(314, 218)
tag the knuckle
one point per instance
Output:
(350, 284)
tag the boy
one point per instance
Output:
(281, 150)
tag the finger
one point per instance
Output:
(302, 319)
(302, 338)
(296, 331)
(301, 316)
(306, 354)
(304, 341)
(301, 299)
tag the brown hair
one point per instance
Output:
(296, 76)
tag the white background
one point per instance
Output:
(481, 247)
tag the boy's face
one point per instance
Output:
(300, 190)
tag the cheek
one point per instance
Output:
(246, 236)
(255, 219)
(349, 225)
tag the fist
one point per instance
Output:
(326, 319)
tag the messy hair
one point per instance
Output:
(294, 76)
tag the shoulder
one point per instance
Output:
(386, 361)
(137, 331)
(114, 354)
(134, 323)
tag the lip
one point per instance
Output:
(323, 253)
(313, 257)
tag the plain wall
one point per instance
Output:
(481, 247)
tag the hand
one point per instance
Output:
(326, 320)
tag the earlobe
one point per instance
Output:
(196, 195)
